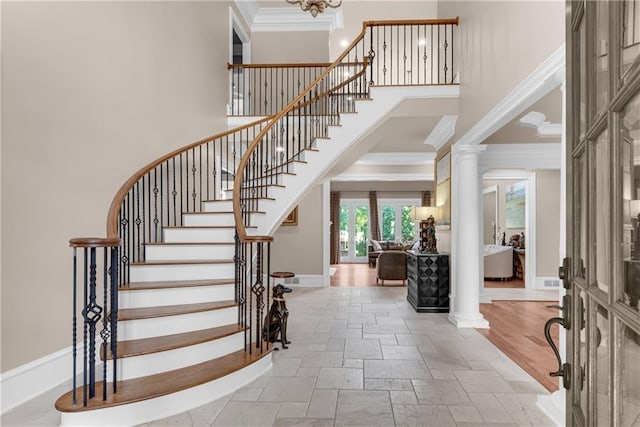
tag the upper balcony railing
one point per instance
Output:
(385, 53)
(411, 53)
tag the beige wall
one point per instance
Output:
(547, 219)
(299, 248)
(290, 47)
(90, 92)
(356, 12)
(504, 41)
(547, 223)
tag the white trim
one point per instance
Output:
(32, 379)
(553, 406)
(530, 218)
(427, 176)
(326, 233)
(442, 132)
(281, 19)
(542, 282)
(545, 78)
(521, 156)
(306, 281)
(536, 120)
(248, 9)
(461, 322)
(406, 158)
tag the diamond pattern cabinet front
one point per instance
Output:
(428, 282)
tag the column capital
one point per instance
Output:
(469, 149)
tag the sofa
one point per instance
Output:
(376, 247)
(498, 262)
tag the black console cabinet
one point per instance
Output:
(428, 278)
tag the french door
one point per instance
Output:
(354, 230)
(602, 270)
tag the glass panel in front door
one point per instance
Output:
(630, 374)
(630, 45)
(601, 55)
(630, 149)
(602, 353)
(601, 185)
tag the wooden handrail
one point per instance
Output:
(237, 183)
(284, 65)
(94, 242)
(237, 212)
(448, 21)
(112, 216)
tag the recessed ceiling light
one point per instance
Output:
(344, 42)
(422, 42)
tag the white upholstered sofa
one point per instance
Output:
(498, 262)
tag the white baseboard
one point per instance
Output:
(306, 281)
(553, 406)
(30, 380)
(546, 283)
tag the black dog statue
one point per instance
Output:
(275, 322)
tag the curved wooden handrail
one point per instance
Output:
(237, 212)
(285, 65)
(112, 216)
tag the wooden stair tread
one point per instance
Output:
(168, 284)
(152, 386)
(171, 310)
(151, 345)
(183, 262)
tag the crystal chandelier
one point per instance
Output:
(315, 6)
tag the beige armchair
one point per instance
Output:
(498, 262)
(391, 265)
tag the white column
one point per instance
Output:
(466, 257)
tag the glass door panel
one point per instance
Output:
(580, 201)
(361, 232)
(630, 374)
(388, 223)
(630, 149)
(601, 55)
(630, 44)
(602, 354)
(601, 185)
(354, 231)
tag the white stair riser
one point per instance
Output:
(218, 206)
(186, 252)
(149, 364)
(159, 326)
(170, 404)
(153, 273)
(198, 235)
(208, 219)
(176, 296)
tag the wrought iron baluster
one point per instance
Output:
(74, 322)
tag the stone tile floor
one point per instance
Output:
(363, 356)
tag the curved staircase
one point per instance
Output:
(191, 265)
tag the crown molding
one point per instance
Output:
(294, 19)
(442, 132)
(248, 9)
(428, 176)
(418, 158)
(521, 156)
(536, 120)
(545, 78)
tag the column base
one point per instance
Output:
(475, 321)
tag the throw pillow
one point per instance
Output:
(376, 245)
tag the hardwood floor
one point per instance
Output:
(354, 275)
(517, 328)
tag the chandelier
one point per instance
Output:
(316, 6)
